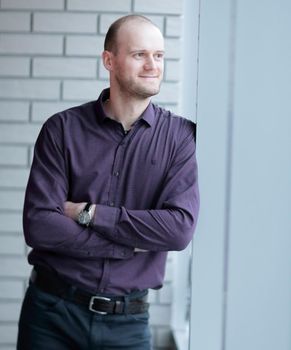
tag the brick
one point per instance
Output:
(65, 67)
(14, 111)
(11, 200)
(14, 267)
(169, 93)
(19, 133)
(9, 311)
(14, 66)
(11, 289)
(31, 44)
(100, 5)
(65, 22)
(13, 178)
(8, 333)
(10, 222)
(172, 70)
(82, 45)
(13, 155)
(107, 19)
(160, 315)
(161, 6)
(174, 26)
(11, 245)
(42, 110)
(80, 90)
(14, 21)
(33, 4)
(172, 48)
(36, 89)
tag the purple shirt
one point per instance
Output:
(144, 184)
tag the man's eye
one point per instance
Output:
(159, 56)
(139, 54)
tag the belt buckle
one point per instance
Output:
(91, 304)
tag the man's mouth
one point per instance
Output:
(149, 76)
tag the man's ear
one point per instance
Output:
(107, 59)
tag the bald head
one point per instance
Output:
(111, 38)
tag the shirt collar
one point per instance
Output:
(148, 115)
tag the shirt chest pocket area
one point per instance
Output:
(91, 183)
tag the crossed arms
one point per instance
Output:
(116, 232)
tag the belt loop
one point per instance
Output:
(126, 302)
(70, 292)
(119, 307)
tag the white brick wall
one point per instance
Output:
(31, 44)
(29, 89)
(100, 5)
(11, 290)
(33, 4)
(14, 22)
(14, 66)
(82, 45)
(161, 6)
(19, 156)
(64, 67)
(55, 22)
(50, 60)
(18, 111)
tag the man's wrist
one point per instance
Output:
(86, 214)
(92, 213)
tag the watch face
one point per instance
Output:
(84, 218)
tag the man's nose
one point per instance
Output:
(150, 63)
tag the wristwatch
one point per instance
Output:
(84, 217)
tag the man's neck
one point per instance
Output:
(125, 110)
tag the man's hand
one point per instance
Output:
(72, 210)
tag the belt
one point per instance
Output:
(51, 283)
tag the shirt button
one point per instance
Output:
(116, 173)
(112, 204)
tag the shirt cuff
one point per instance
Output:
(104, 221)
(105, 218)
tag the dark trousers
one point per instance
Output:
(48, 322)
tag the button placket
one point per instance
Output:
(113, 191)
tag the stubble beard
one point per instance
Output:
(137, 90)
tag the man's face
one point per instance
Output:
(137, 67)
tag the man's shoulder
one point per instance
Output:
(71, 115)
(177, 123)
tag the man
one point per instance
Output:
(112, 189)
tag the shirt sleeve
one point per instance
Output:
(45, 225)
(169, 227)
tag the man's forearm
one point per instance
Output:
(154, 230)
(56, 231)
